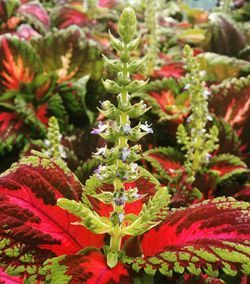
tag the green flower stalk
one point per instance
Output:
(117, 165)
(91, 8)
(198, 142)
(151, 25)
(53, 142)
(226, 5)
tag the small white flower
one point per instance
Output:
(203, 73)
(206, 94)
(146, 127)
(46, 142)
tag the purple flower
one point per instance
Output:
(125, 153)
(101, 127)
(100, 172)
(119, 201)
(126, 129)
(136, 196)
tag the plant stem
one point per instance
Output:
(115, 240)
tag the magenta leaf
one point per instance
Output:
(6, 279)
(89, 268)
(36, 15)
(33, 227)
(70, 14)
(211, 237)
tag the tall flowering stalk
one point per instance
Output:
(226, 5)
(91, 7)
(118, 165)
(53, 145)
(198, 142)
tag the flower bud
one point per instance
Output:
(127, 25)
(138, 110)
(125, 57)
(114, 64)
(123, 81)
(117, 44)
(136, 64)
(135, 85)
(134, 43)
(111, 86)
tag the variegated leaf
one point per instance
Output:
(211, 237)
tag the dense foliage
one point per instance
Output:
(124, 142)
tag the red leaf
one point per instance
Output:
(29, 214)
(91, 268)
(171, 70)
(211, 235)
(226, 165)
(8, 118)
(14, 70)
(72, 14)
(41, 113)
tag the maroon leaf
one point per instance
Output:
(244, 193)
(211, 237)
(165, 161)
(88, 268)
(225, 166)
(30, 220)
(10, 126)
(231, 101)
(228, 139)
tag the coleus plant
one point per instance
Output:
(118, 228)
(209, 162)
(33, 89)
